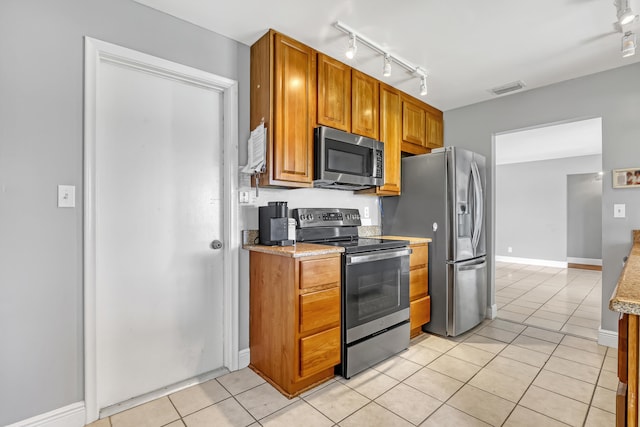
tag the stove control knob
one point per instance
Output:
(310, 217)
(348, 216)
(302, 217)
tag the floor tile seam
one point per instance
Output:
(369, 400)
(381, 373)
(482, 390)
(446, 402)
(174, 408)
(529, 387)
(182, 417)
(566, 376)
(596, 387)
(559, 332)
(393, 412)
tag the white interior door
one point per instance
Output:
(158, 207)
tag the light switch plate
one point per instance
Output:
(66, 196)
(619, 211)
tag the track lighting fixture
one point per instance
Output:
(353, 47)
(417, 71)
(628, 44)
(423, 85)
(625, 14)
(386, 69)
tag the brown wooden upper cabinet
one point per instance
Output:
(435, 137)
(414, 126)
(422, 127)
(334, 93)
(391, 135)
(283, 95)
(364, 105)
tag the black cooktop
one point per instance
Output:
(365, 244)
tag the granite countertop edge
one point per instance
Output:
(626, 295)
(298, 250)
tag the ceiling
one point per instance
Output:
(467, 46)
(580, 138)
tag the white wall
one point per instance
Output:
(531, 206)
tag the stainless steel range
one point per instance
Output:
(375, 286)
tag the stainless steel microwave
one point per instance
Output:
(346, 161)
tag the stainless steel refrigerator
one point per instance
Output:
(443, 198)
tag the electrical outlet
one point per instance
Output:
(366, 212)
(509, 249)
(619, 211)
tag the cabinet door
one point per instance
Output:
(414, 124)
(364, 105)
(319, 309)
(390, 134)
(334, 93)
(294, 106)
(319, 352)
(420, 312)
(434, 131)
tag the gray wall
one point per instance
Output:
(613, 95)
(41, 110)
(584, 216)
(531, 206)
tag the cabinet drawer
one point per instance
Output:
(420, 312)
(317, 272)
(420, 255)
(319, 352)
(319, 309)
(418, 283)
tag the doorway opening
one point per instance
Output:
(540, 219)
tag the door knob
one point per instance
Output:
(216, 244)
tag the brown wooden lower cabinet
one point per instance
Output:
(294, 319)
(627, 393)
(420, 301)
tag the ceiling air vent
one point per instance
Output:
(509, 87)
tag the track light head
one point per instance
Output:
(423, 86)
(628, 44)
(353, 47)
(386, 69)
(625, 14)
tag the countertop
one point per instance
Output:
(412, 240)
(298, 250)
(626, 296)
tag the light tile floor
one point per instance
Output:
(501, 373)
(559, 299)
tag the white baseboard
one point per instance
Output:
(586, 261)
(532, 261)
(68, 416)
(244, 358)
(608, 338)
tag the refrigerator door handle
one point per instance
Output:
(474, 266)
(478, 205)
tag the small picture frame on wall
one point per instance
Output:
(624, 178)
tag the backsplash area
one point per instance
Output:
(250, 237)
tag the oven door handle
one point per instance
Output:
(359, 259)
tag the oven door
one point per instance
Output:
(376, 292)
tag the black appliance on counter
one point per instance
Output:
(375, 286)
(274, 224)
